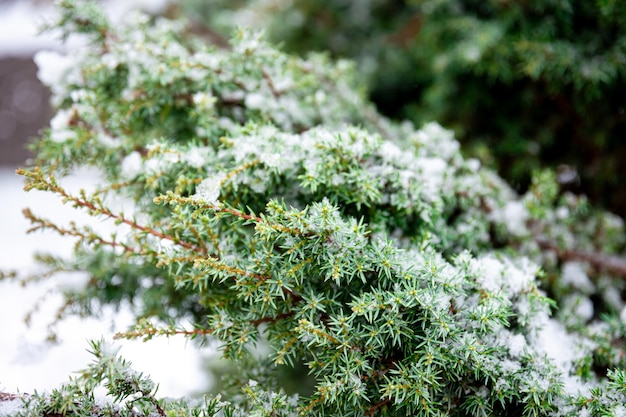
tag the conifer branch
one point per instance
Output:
(40, 182)
(85, 235)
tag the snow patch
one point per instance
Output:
(574, 275)
(209, 189)
(20, 22)
(131, 165)
(11, 407)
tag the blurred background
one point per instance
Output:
(24, 105)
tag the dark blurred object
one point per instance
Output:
(24, 108)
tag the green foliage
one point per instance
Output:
(271, 205)
(524, 84)
(128, 394)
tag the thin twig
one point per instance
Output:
(372, 409)
(612, 264)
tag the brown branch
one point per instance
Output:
(156, 405)
(213, 263)
(51, 185)
(200, 29)
(612, 264)
(257, 219)
(46, 224)
(407, 32)
(370, 412)
(5, 396)
(195, 233)
(270, 84)
(153, 331)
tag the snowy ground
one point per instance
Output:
(20, 21)
(27, 361)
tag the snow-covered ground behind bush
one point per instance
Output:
(28, 362)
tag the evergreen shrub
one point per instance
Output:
(269, 204)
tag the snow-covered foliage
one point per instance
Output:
(274, 206)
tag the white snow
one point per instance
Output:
(432, 174)
(515, 215)
(473, 164)
(204, 101)
(209, 189)
(573, 274)
(584, 308)
(516, 344)
(27, 361)
(622, 315)
(10, 408)
(20, 22)
(434, 140)
(196, 157)
(255, 101)
(495, 274)
(619, 411)
(131, 165)
(553, 340)
(390, 151)
(52, 66)
(563, 349)
(562, 213)
(59, 126)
